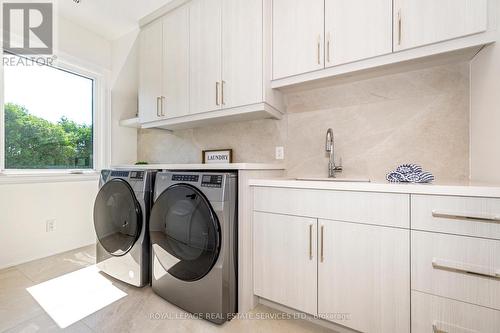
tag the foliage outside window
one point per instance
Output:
(48, 118)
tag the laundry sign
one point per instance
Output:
(218, 156)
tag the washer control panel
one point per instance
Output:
(186, 178)
(211, 181)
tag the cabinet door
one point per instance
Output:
(422, 22)
(285, 263)
(176, 63)
(205, 55)
(364, 276)
(150, 74)
(298, 37)
(242, 43)
(356, 30)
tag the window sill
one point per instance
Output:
(36, 176)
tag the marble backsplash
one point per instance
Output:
(419, 117)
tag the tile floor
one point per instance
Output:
(19, 312)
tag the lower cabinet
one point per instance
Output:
(438, 314)
(285, 261)
(355, 275)
(364, 276)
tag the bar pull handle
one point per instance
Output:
(465, 268)
(222, 93)
(400, 27)
(328, 42)
(466, 216)
(310, 242)
(217, 87)
(158, 107)
(442, 327)
(162, 98)
(319, 50)
(322, 250)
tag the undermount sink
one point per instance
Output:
(340, 180)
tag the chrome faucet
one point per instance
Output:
(330, 148)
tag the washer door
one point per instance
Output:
(185, 232)
(117, 217)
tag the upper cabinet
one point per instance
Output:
(150, 73)
(323, 39)
(298, 37)
(176, 63)
(422, 22)
(205, 55)
(207, 62)
(242, 50)
(164, 68)
(356, 30)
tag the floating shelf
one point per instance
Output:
(132, 123)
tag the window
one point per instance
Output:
(48, 117)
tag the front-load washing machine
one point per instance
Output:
(193, 231)
(121, 212)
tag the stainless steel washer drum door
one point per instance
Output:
(185, 229)
(117, 217)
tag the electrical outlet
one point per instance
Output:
(280, 153)
(50, 225)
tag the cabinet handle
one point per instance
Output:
(322, 254)
(310, 242)
(217, 86)
(158, 107)
(465, 268)
(162, 106)
(400, 27)
(222, 93)
(442, 327)
(319, 50)
(328, 40)
(461, 216)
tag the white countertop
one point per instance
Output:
(231, 166)
(472, 190)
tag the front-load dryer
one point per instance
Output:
(193, 231)
(121, 212)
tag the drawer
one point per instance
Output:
(433, 314)
(462, 268)
(478, 217)
(384, 209)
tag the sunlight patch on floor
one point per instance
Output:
(72, 297)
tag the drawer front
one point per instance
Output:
(384, 209)
(478, 217)
(433, 314)
(462, 268)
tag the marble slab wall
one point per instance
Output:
(413, 117)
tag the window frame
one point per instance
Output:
(101, 134)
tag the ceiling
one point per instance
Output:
(108, 18)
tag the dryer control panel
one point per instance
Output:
(211, 181)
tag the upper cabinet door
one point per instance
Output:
(242, 49)
(422, 22)
(150, 74)
(356, 30)
(298, 37)
(176, 63)
(364, 272)
(205, 55)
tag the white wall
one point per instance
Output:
(485, 115)
(124, 88)
(25, 208)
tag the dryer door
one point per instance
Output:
(117, 217)
(185, 232)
